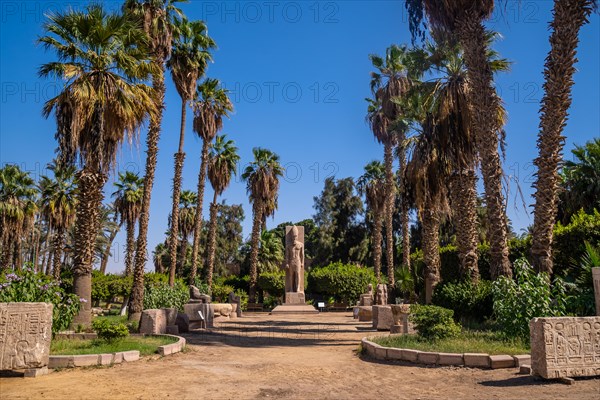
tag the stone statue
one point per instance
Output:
(294, 265)
(197, 297)
(235, 301)
(381, 295)
(294, 261)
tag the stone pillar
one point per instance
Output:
(596, 279)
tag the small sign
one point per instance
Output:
(201, 315)
(321, 305)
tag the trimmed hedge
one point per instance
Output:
(272, 283)
(343, 282)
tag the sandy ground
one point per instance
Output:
(303, 357)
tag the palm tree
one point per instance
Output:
(187, 211)
(580, 181)
(426, 176)
(464, 20)
(392, 80)
(102, 57)
(221, 165)
(157, 20)
(262, 184)
(159, 252)
(271, 253)
(128, 202)
(17, 211)
(456, 142)
(58, 204)
(569, 17)
(212, 104)
(372, 184)
(109, 223)
(188, 62)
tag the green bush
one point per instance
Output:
(237, 282)
(27, 286)
(107, 287)
(433, 322)
(569, 240)
(243, 298)
(344, 282)
(470, 302)
(580, 288)
(220, 292)
(272, 283)
(528, 296)
(110, 331)
(161, 295)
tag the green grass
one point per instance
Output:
(468, 342)
(146, 345)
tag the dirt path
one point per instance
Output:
(262, 356)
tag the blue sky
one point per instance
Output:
(298, 73)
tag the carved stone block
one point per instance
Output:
(25, 334)
(564, 347)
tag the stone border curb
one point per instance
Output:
(476, 360)
(87, 360)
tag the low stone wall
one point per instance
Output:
(476, 360)
(86, 360)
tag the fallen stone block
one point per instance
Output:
(525, 369)
(522, 359)
(382, 318)
(365, 313)
(153, 322)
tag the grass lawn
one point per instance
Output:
(146, 345)
(468, 342)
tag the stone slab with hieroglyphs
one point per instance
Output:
(564, 347)
(25, 335)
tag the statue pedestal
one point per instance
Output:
(294, 298)
(294, 304)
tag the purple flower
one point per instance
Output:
(44, 287)
(82, 300)
(11, 277)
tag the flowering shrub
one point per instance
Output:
(27, 286)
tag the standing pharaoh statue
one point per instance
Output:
(294, 264)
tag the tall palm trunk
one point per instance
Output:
(431, 249)
(198, 215)
(485, 106)
(179, 159)
(7, 259)
(45, 255)
(377, 242)
(106, 253)
(129, 257)
(463, 196)
(569, 17)
(256, 224)
(91, 183)
(136, 303)
(182, 255)
(48, 270)
(59, 240)
(404, 222)
(212, 240)
(390, 195)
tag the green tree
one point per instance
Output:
(211, 105)
(341, 235)
(128, 204)
(222, 164)
(103, 58)
(262, 186)
(188, 62)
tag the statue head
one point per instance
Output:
(294, 232)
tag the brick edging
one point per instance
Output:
(86, 360)
(476, 360)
